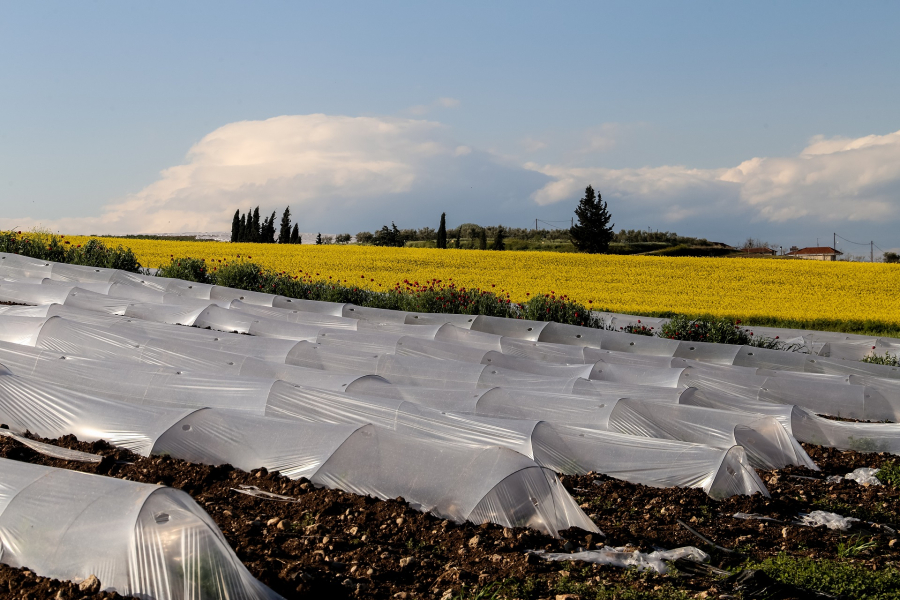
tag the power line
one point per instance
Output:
(551, 223)
(851, 241)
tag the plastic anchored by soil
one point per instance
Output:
(333, 544)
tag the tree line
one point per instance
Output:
(248, 228)
(592, 233)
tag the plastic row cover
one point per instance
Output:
(831, 398)
(536, 439)
(767, 449)
(808, 427)
(484, 485)
(768, 445)
(138, 539)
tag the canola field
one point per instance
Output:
(782, 291)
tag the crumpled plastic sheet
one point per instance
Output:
(252, 490)
(621, 557)
(828, 519)
(862, 476)
(754, 517)
(53, 451)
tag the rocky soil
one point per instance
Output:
(329, 544)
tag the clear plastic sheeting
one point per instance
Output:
(334, 309)
(766, 442)
(655, 462)
(294, 315)
(535, 439)
(497, 485)
(381, 315)
(864, 476)
(138, 539)
(51, 450)
(663, 463)
(624, 558)
(829, 519)
(485, 483)
(223, 319)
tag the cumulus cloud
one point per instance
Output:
(831, 180)
(341, 173)
(335, 172)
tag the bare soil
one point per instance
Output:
(337, 545)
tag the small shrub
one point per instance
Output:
(189, 269)
(717, 331)
(44, 245)
(887, 359)
(549, 307)
(889, 473)
(634, 328)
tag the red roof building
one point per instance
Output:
(817, 253)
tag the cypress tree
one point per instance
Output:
(482, 239)
(284, 234)
(499, 244)
(295, 235)
(442, 232)
(319, 239)
(242, 229)
(264, 230)
(236, 226)
(255, 231)
(593, 232)
(269, 238)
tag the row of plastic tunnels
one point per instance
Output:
(468, 417)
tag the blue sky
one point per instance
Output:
(119, 117)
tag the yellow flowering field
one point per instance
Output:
(781, 290)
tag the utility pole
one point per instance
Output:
(872, 251)
(535, 224)
(835, 242)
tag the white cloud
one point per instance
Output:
(342, 173)
(423, 109)
(831, 180)
(532, 145)
(338, 171)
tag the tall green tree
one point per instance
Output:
(242, 229)
(295, 235)
(264, 231)
(482, 239)
(442, 232)
(236, 226)
(255, 227)
(319, 239)
(269, 236)
(499, 243)
(284, 233)
(458, 236)
(593, 232)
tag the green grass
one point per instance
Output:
(532, 589)
(855, 581)
(889, 473)
(855, 546)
